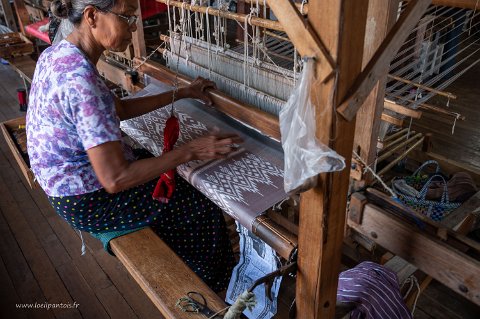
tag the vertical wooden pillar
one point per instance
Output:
(8, 14)
(241, 8)
(138, 38)
(341, 26)
(382, 15)
(22, 14)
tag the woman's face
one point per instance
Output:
(113, 32)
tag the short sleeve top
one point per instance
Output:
(70, 110)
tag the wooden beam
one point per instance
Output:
(138, 38)
(303, 9)
(466, 4)
(306, 41)
(400, 109)
(256, 21)
(382, 15)
(8, 15)
(264, 122)
(22, 14)
(341, 26)
(470, 208)
(444, 263)
(115, 75)
(392, 120)
(379, 63)
(161, 273)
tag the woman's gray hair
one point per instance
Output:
(71, 13)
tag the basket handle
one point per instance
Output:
(425, 164)
(424, 190)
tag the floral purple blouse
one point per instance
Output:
(70, 111)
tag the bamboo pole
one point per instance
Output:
(401, 157)
(398, 140)
(252, 20)
(442, 111)
(302, 9)
(341, 26)
(400, 109)
(465, 4)
(423, 87)
(437, 109)
(396, 148)
(391, 137)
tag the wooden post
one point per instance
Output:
(381, 17)
(22, 14)
(8, 15)
(138, 38)
(341, 27)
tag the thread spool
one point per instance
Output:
(22, 99)
(133, 75)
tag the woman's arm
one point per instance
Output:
(115, 173)
(130, 108)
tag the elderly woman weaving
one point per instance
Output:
(78, 157)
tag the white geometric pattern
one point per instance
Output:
(243, 185)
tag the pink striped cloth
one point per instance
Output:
(374, 290)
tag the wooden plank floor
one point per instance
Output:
(40, 254)
(40, 259)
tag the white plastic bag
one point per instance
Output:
(305, 156)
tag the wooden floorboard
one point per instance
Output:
(40, 254)
(53, 265)
(47, 277)
(8, 295)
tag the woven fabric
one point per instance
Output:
(244, 185)
(375, 292)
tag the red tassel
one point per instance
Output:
(166, 183)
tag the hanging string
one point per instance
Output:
(209, 41)
(149, 56)
(473, 16)
(413, 281)
(378, 178)
(181, 29)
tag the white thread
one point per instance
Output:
(378, 178)
(209, 41)
(412, 280)
(84, 249)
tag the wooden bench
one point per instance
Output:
(161, 273)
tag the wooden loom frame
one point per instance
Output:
(322, 218)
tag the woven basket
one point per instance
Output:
(436, 210)
(418, 179)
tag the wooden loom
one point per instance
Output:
(322, 222)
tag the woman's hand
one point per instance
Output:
(196, 90)
(211, 146)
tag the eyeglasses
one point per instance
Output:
(131, 20)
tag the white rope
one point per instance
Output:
(413, 281)
(149, 56)
(209, 41)
(378, 178)
(84, 249)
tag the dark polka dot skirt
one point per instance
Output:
(189, 223)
